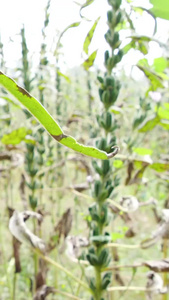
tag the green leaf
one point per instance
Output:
(160, 167)
(164, 124)
(89, 61)
(160, 64)
(131, 45)
(163, 113)
(46, 120)
(89, 37)
(166, 105)
(117, 163)
(154, 78)
(142, 151)
(160, 8)
(116, 236)
(149, 123)
(116, 110)
(64, 76)
(17, 136)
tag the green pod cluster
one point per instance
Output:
(109, 89)
(118, 57)
(104, 258)
(110, 17)
(106, 57)
(112, 39)
(31, 170)
(97, 188)
(96, 167)
(94, 213)
(100, 79)
(32, 185)
(105, 121)
(106, 280)
(106, 167)
(102, 144)
(92, 257)
(95, 229)
(101, 218)
(41, 150)
(108, 94)
(109, 187)
(118, 18)
(92, 284)
(100, 193)
(104, 217)
(115, 4)
(33, 201)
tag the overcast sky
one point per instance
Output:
(62, 13)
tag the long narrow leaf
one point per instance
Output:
(89, 61)
(89, 37)
(42, 115)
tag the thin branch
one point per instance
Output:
(124, 266)
(110, 245)
(66, 294)
(54, 263)
(131, 288)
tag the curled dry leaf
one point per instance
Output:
(154, 284)
(158, 265)
(74, 245)
(23, 234)
(130, 203)
(16, 247)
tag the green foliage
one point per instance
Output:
(142, 151)
(17, 136)
(46, 120)
(89, 37)
(160, 9)
(89, 61)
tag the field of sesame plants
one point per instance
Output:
(84, 156)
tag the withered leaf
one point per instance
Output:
(22, 233)
(64, 225)
(16, 246)
(74, 245)
(158, 265)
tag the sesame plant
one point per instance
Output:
(98, 256)
(68, 217)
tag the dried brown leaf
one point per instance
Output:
(158, 265)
